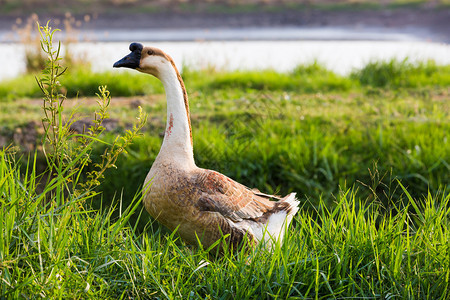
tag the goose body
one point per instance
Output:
(201, 204)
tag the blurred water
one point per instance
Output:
(341, 56)
(258, 34)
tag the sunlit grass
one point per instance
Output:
(310, 78)
(81, 82)
(303, 79)
(396, 74)
(55, 248)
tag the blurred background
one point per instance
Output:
(234, 34)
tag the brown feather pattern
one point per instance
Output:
(205, 203)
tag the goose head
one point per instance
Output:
(148, 60)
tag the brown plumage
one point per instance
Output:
(201, 204)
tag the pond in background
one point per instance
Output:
(340, 56)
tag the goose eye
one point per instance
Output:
(150, 52)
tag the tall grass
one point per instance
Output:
(49, 242)
(61, 249)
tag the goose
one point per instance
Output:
(202, 205)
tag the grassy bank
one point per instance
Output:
(312, 78)
(56, 248)
(367, 154)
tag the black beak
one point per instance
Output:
(133, 59)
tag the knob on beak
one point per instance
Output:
(133, 59)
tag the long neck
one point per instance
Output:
(177, 144)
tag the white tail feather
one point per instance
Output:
(273, 231)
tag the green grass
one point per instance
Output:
(396, 74)
(303, 79)
(310, 78)
(52, 245)
(81, 82)
(85, 83)
(367, 154)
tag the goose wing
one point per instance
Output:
(218, 193)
